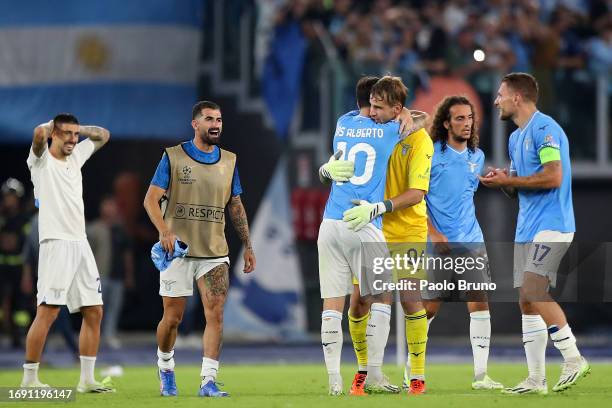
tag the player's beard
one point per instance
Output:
(505, 116)
(66, 151)
(460, 138)
(209, 138)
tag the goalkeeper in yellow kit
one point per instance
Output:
(405, 230)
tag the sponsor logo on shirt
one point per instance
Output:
(197, 212)
(185, 175)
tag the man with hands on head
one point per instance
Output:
(67, 271)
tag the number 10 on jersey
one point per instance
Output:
(364, 177)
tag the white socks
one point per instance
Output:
(165, 360)
(210, 368)
(377, 335)
(331, 339)
(30, 374)
(87, 370)
(534, 341)
(564, 341)
(480, 336)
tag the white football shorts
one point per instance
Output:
(177, 280)
(67, 275)
(344, 253)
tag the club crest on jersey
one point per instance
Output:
(405, 148)
(527, 143)
(472, 166)
(185, 175)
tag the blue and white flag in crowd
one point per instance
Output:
(130, 66)
(268, 303)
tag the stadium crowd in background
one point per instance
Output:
(565, 44)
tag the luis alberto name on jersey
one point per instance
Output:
(369, 145)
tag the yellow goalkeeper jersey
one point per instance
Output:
(409, 167)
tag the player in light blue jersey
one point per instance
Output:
(540, 173)
(366, 147)
(457, 162)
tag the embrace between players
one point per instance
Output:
(394, 188)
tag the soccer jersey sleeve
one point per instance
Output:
(419, 168)
(236, 187)
(479, 159)
(35, 161)
(161, 178)
(83, 151)
(547, 140)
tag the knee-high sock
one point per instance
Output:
(377, 335)
(534, 341)
(480, 337)
(407, 368)
(358, 327)
(331, 339)
(416, 337)
(564, 341)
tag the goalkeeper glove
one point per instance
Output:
(337, 170)
(364, 212)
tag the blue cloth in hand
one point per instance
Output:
(162, 259)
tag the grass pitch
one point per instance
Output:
(306, 386)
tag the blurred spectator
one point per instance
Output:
(600, 51)
(115, 258)
(405, 61)
(13, 229)
(431, 39)
(365, 49)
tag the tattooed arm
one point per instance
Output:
(241, 225)
(98, 135)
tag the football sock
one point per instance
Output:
(377, 335)
(416, 337)
(30, 373)
(210, 368)
(331, 339)
(429, 320)
(534, 341)
(87, 370)
(165, 360)
(480, 336)
(564, 341)
(357, 328)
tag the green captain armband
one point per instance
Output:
(549, 154)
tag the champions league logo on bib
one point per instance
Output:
(186, 175)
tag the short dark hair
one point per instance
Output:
(363, 90)
(196, 112)
(391, 90)
(523, 83)
(62, 118)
